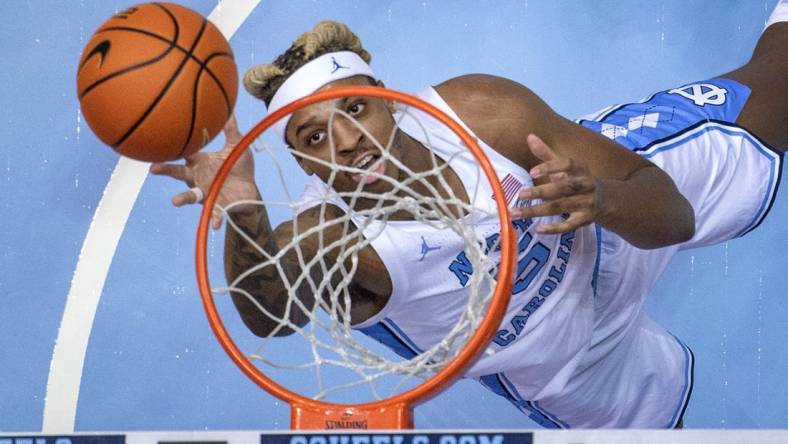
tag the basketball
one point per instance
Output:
(157, 82)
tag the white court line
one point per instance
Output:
(109, 220)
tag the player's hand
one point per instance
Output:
(200, 169)
(571, 189)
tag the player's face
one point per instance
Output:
(308, 133)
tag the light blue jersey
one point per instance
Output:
(669, 113)
(690, 132)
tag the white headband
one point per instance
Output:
(313, 76)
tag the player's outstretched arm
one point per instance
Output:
(643, 206)
(576, 171)
(264, 301)
(264, 286)
(200, 169)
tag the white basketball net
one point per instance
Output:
(327, 354)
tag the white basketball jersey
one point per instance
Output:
(551, 308)
(575, 348)
(549, 323)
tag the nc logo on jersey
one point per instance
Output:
(702, 94)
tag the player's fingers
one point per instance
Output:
(581, 203)
(216, 219)
(174, 170)
(548, 191)
(196, 158)
(551, 167)
(573, 222)
(539, 148)
(232, 133)
(190, 196)
(572, 185)
(549, 208)
(561, 185)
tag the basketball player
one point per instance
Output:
(613, 197)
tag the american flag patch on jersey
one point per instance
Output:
(511, 186)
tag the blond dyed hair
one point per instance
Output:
(262, 81)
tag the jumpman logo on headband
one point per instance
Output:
(337, 66)
(426, 248)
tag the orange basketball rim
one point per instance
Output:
(391, 413)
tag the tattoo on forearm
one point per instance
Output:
(267, 285)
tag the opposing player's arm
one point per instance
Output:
(576, 171)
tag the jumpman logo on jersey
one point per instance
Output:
(426, 248)
(337, 66)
